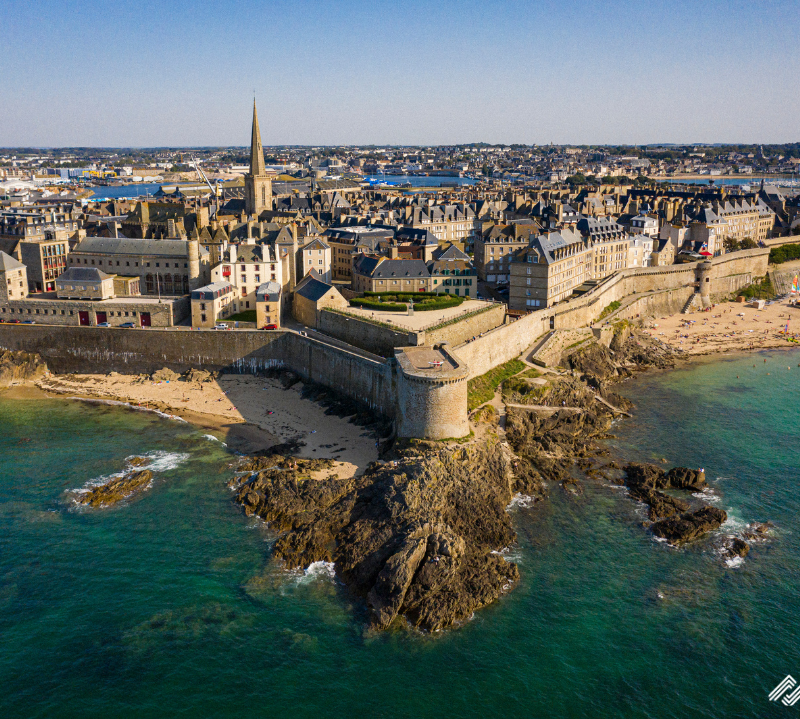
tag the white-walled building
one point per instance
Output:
(316, 255)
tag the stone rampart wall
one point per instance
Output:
(657, 304)
(89, 349)
(550, 352)
(472, 326)
(729, 272)
(369, 336)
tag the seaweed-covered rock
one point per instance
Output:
(689, 526)
(413, 537)
(19, 367)
(117, 489)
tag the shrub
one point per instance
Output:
(481, 389)
(785, 253)
(441, 303)
(758, 290)
(613, 307)
(391, 302)
(374, 304)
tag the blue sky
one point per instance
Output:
(183, 73)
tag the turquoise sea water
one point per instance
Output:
(169, 605)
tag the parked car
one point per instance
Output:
(11, 322)
(270, 327)
(103, 324)
(221, 326)
(128, 325)
(28, 322)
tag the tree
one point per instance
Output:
(576, 179)
(748, 243)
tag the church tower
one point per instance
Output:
(257, 185)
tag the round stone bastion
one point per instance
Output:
(431, 393)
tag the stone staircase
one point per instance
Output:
(694, 302)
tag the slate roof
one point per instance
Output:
(400, 268)
(546, 245)
(311, 288)
(124, 246)
(267, 288)
(9, 263)
(83, 274)
(207, 292)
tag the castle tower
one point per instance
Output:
(194, 260)
(257, 185)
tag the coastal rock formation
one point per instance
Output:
(19, 367)
(689, 526)
(414, 537)
(117, 489)
(645, 480)
(165, 375)
(735, 547)
(550, 442)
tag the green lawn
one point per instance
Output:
(481, 389)
(246, 316)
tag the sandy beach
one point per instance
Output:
(723, 329)
(248, 413)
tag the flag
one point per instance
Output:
(795, 284)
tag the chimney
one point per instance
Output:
(393, 252)
(232, 250)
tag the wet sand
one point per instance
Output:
(248, 413)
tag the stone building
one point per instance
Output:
(608, 242)
(13, 278)
(212, 303)
(312, 295)
(495, 246)
(452, 273)
(85, 283)
(249, 265)
(155, 221)
(381, 274)
(316, 255)
(257, 184)
(164, 267)
(548, 270)
(268, 305)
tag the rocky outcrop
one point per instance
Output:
(689, 526)
(165, 374)
(549, 443)
(413, 537)
(117, 489)
(735, 547)
(645, 480)
(20, 367)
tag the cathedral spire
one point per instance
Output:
(257, 167)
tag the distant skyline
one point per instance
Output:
(155, 74)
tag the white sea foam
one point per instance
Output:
(708, 495)
(317, 570)
(521, 500)
(137, 407)
(212, 438)
(734, 562)
(508, 555)
(162, 461)
(733, 524)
